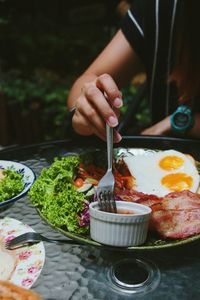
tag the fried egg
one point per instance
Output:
(162, 172)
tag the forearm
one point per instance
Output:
(121, 67)
(164, 128)
(161, 128)
(96, 93)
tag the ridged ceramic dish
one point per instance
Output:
(121, 229)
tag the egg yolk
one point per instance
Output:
(170, 163)
(177, 182)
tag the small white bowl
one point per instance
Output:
(121, 230)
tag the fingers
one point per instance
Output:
(102, 95)
(106, 83)
(98, 104)
(87, 118)
(83, 126)
(96, 99)
(116, 136)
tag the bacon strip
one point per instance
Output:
(177, 215)
(176, 224)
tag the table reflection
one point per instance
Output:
(87, 272)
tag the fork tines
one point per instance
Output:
(19, 240)
(106, 201)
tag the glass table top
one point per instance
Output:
(82, 272)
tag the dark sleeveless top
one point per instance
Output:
(149, 26)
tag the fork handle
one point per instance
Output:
(12, 246)
(109, 137)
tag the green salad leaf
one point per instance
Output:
(11, 185)
(54, 194)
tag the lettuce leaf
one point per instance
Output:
(11, 185)
(54, 194)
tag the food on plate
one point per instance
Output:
(11, 184)
(89, 173)
(163, 172)
(8, 262)
(166, 181)
(58, 199)
(63, 191)
(2, 175)
(9, 291)
(177, 215)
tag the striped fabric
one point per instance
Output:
(149, 26)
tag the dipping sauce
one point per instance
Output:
(125, 211)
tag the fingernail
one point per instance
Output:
(118, 137)
(112, 121)
(117, 102)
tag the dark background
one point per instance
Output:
(44, 46)
(62, 36)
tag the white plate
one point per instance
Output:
(28, 178)
(30, 259)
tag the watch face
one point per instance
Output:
(181, 119)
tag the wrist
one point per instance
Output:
(161, 128)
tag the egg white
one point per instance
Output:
(148, 173)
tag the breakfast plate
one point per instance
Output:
(26, 179)
(53, 217)
(22, 266)
(153, 241)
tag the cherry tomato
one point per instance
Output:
(78, 182)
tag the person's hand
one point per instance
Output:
(161, 128)
(98, 104)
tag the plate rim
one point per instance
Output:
(90, 242)
(39, 245)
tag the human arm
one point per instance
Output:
(164, 128)
(161, 128)
(98, 88)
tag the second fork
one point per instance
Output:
(33, 238)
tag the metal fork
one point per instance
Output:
(105, 188)
(33, 238)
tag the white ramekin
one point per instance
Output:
(121, 230)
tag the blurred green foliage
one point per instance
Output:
(45, 45)
(60, 36)
(44, 91)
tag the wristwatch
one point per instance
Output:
(182, 119)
